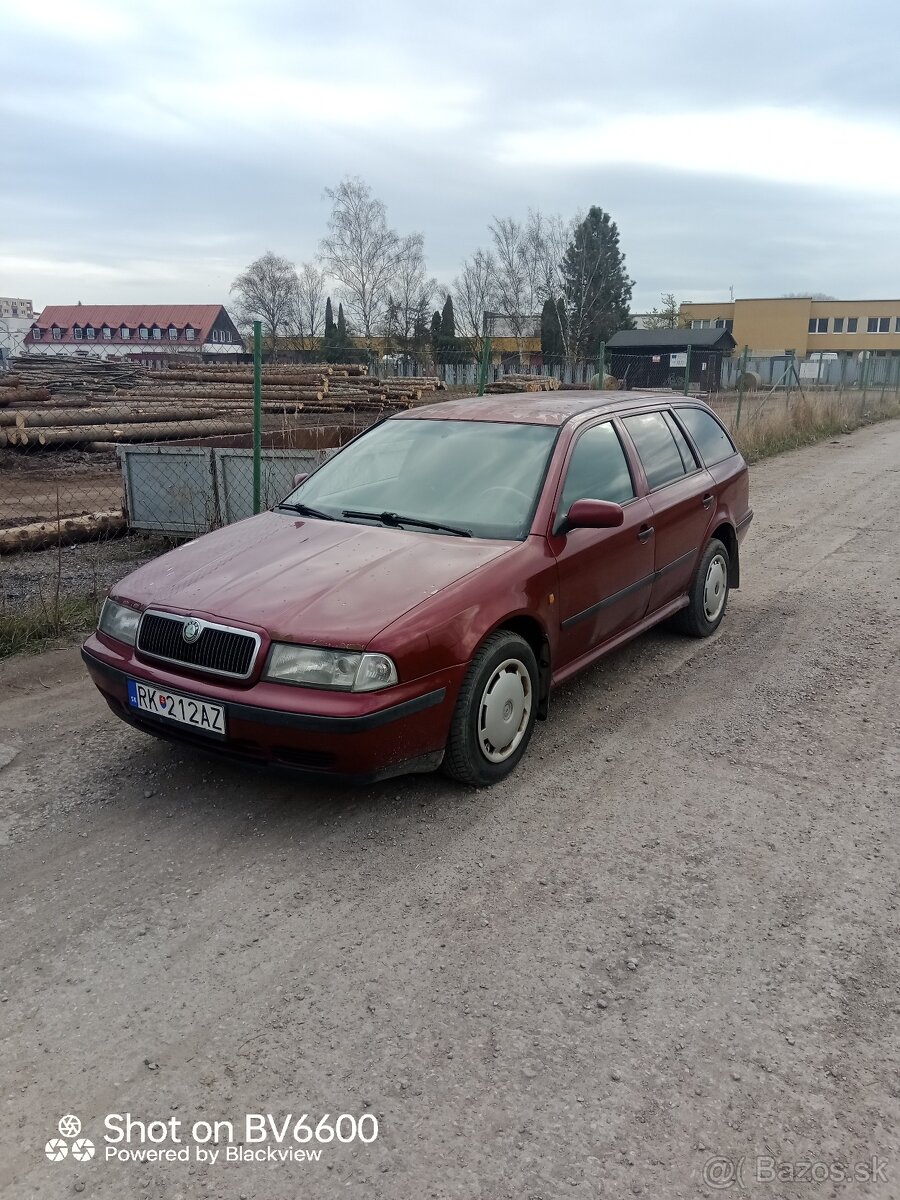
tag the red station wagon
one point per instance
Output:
(416, 599)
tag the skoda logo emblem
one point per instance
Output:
(191, 630)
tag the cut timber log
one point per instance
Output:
(114, 413)
(239, 377)
(21, 397)
(203, 394)
(523, 383)
(161, 431)
(66, 532)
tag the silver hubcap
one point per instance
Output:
(715, 588)
(504, 710)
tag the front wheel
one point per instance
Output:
(708, 595)
(495, 712)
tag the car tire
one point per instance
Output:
(708, 594)
(495, 711)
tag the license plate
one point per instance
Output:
(170, 706)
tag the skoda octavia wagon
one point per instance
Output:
(415, 601)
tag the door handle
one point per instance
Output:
(645, 533)
(708, 499)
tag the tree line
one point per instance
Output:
(568, 272)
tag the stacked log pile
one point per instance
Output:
(66, 375)
(127, 404)
(15, 392)
(523, 383)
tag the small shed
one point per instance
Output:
(658, 358)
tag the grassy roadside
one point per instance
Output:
(47, 597)
(808, 422)
(57, 615)
(38, 626)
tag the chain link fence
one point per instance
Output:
(106, 461)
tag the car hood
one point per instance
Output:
(303, 580)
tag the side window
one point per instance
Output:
(656, 446)
(709, 437)
(598, 469)
(687, 454)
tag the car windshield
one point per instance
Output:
(476, 477)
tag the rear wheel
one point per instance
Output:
(708, 593)
(495, 712)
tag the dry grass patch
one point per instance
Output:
(772, 429)
(36, 625)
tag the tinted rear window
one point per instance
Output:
(687, 454)
(709, 437)
(657, 448)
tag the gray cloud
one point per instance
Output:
(150, 155)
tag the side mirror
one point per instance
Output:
(301, 478)
(594, 514)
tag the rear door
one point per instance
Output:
(605, 575)
(681, 494)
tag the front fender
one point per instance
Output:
(446, 630)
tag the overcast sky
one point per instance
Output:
(149, 151)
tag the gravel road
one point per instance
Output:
(671, 937)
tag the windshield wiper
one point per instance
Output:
(396, 520)
(305, 511)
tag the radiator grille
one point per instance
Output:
(220, 651)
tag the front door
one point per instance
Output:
(605, 575)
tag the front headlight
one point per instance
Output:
(344, 670)
(119, 622)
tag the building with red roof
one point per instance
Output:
(134, 331)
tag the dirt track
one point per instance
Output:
(672, 935)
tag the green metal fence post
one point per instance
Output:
(687, 370)
(257, 414)
(485, 363)
(743, 371)
(790, 381)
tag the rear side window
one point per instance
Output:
(598, 469)
(709, 437)
(656, 446)
(687, 454)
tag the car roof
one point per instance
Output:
(539, 408)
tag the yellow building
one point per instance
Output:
(802, 325)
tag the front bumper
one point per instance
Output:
(333, 734)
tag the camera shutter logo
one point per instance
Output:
(191, 630)
(83, 1149)
(69, 1126)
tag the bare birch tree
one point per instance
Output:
(361, 252)
(545, 241)
(528, 256)
(308, 317)
(475, 293)
(266, 291)
(513, 280)
(410, 297)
